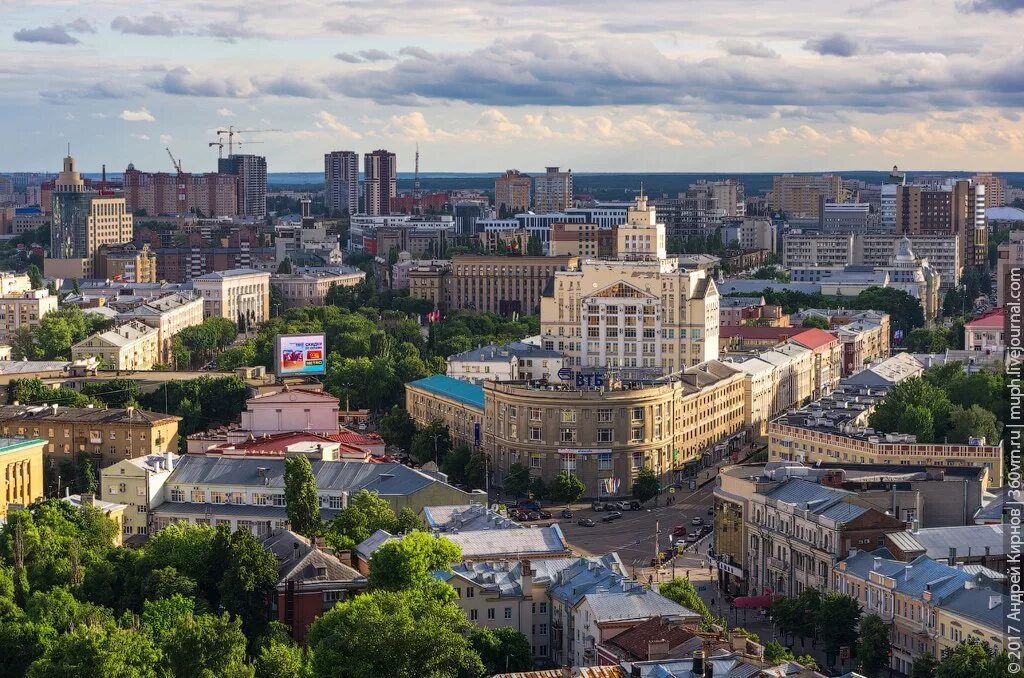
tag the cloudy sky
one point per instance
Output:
(595, 85)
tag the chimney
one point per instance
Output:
(994, 601)
(169, 461)
(877, 563)
(634, 671)
(952, 555)
(698, 663)
(906, 572)
(657, 649)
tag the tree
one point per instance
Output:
(98, 650)
(646, 486)
(285, 267)
(924, 340)
(408, 562)
(973, 422)
(924, 666)
(838, 618)
(280, 658)
(402, 634)
(300, 496)
(917, 420)
(538, 488)
(815, 321)
(35, 277)
(249, 578)
(534, 247)
(502, 650)
(114, 393)
(476, 470)
(517, 480)
(873, 644)
(683, 592)
(208, 646)
(775, 653)
(397, 428)
(566, 488)
(432, 443)
(971, 658)
(892, 415)
(366, 513)
(455, 463)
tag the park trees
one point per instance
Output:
(566, 488)
(502, 650)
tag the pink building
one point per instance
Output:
(291, 410)
(985, 333)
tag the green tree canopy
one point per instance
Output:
(566, 488)
(408, 562)
(397, 428)
(300, 496)
(366, 513)
(815, 321)
(517, 480)
(904, 410)
(432, 442)
(502, 650)
(873, 644)
(646, 485)
(683, 592)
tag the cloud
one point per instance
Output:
(105, 89)
(986, 6)
(364, 56)
(141, 115)
(290, 87)
(836, 44)
(349, 26)
(225, 112)
(140, 137)
(183, 81)
(80, 25)
(165, 138)
(348, 57)
(52, 35)
(747, 48)
(152, 24)
(416, 53)
(324, 120)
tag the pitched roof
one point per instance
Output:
(634, 641)
(992, 320)
(780, 334)
(233, 273)
(300, 561)
(122, 335)
(96, 415)
(540, 541)
(814, 337)
(462, 391)
(936, 542)
(503, 352)
(466, 517)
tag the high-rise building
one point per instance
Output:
(251, 171)
(729, 194)
(213, 194)
(552, 191)
(887, 197)
(341, 181)
(380, 181)
(83, 219)
(955, 207)
(512, 192)
(799, 196)
(995, 190)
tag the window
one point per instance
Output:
(470, 592)
(604, 463)
(636, 433)
(604, 416)
(177, 494)
(473, 615)
(568, 435)
(535, 433)
(334, 503)
(508, 613)
(568, 416)
(543, 629)
(535, 461)
(543, 608)
(535, 414)
(637, 414)
(604, 435)
(490, 613)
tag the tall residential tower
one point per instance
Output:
(380, 181)
(341, 181)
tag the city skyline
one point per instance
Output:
(594, 87)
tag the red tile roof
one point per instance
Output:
(634, 641)
(993, 319)
(813, 338)
(755, 332)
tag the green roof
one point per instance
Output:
(15, 444)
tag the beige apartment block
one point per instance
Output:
(126, 263)
(235, 294)
(137, 483)
(1011, 256)
(14, 283)
(24, 308)
(497, 284)
(552, 191)
(131, 346)
(799, 196)
(169, 315)
(512, 191)
(311, 288)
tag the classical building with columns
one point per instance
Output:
(238, 293)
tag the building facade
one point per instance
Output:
(130, 346)
(552, 191)
(1011, 257)
(236, 294)
(955, 207)
(512, 192)
(500, 284)
(168, 314)
(21, 472)
(341, 181)
(379, 181)
(154, 193)
(27, 309)
(799, 196)
(251, 175)
(126, 262)
(310, 288)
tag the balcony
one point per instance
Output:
(776, 564)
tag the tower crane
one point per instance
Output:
(220, 146)
(231, 132)
(181, 181)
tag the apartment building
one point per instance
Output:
(864, 335)
(379, 181)
(168, 315)
(835, 430)
(729, 194)
(760, 382)
(136, 482)
(251, 174)
(341, 181)
(21, 472)
(606, 434)
(126, 262)
(108, 435)
(583, 240)
(19, 309)
(826, 354)
(309, 287)
(240, 294)
(458, 404)
(130, 346)
(512, 192)
(1008, 273)
(509, 362)
(736, 311)
(214, 194)
(929, 606)
(12, 283)
(647, 314)
(799, 196)
(428, 279)
(502, 285)
(510, 242)
(552, 191)
(954, 207)
(750, 234)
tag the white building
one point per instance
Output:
(508, 362)
(241, 293)
(169, 314)
(24, 308)
(130, 346)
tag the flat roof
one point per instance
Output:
(456, 389)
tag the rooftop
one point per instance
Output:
(300, 561)
(968, 540)
(814, 338)
(502, 353)
(83, 414)
(8, 445)
(634, 641)
(465, 517)
(122, 335)
(994, 319)
(93, 501)
(535, 541)
(462, 391)
(889, 371)
(233, 273)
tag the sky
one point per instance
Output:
(592, 85)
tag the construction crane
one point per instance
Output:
(181, 181)
(220, 146)
(231, 132)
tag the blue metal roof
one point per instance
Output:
(463, 391)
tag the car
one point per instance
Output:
(711, 511)
(692, 537)
(566, 513)
(706, 529)
(528, 505)
(697, 521)
(679, 531)
(611, 505)
(597, 506)
(614, 515)
(585, 522)
(634, 505)
(533, 515)
(622, 505)
(681, 544)
(544, 515)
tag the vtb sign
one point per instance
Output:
(582, 379)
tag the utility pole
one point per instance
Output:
(657, 542)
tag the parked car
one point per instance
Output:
(634, 504)
(585, 522)
(597, 506)
(622, 505)
(711, 511)
(528, 505)
(614, 515)
(697, 521)
(611, 505)
(566, 513)
(544, 515)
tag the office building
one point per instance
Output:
(851, 217)
(214, 194)
(168, 314)
(698, 214)
(954, 207)
(509, 362)
(310, 287)
(583, 240)
(1008, 269)
(379, 181)
(21, 472)
(799, 196)
(995, 188)
(83, 219)
(19, 309)
(251, 173)
(341, 181)
(130, 346)
(241, 295)
(467, 213)
(750, 234)
(503, 285)
(552, 191)
(126, 262)
(512, 192)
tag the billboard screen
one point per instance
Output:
(300, 354)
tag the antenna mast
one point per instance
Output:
(417, 194)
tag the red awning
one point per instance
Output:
(752, 602)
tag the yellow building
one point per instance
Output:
(113, 511)
(126, 263)
(21, 472)
(24, 308)
(459, 404)
(108, 435)
(800, 196)
(169, 315)
(138, 484)
(131, 346)
(241, 293)
(512, 191)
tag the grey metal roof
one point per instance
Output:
(502, 353)
(722, 666)
(966, 539)
(298, 560)
(466, 517)
(230, 510)
(511, 543)
(367, 548)
(637, 602)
